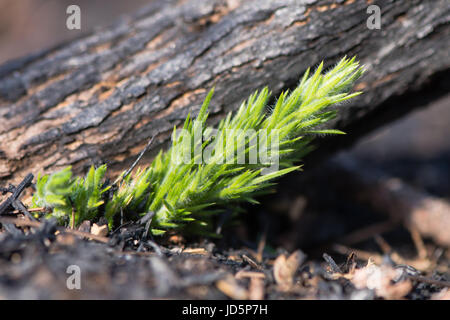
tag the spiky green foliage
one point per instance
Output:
(63, 194)
(204, 171)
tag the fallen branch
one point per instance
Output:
(416, 209)
(140, 77)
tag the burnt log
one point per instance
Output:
(99, 98)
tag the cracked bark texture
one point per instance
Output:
(99, 99)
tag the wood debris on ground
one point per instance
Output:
(365, 263)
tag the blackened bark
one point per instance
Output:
(99, 98)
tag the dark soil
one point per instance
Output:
(34, 261)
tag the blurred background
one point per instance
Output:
(415, 148)
(28, 26)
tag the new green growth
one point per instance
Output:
(186, 194)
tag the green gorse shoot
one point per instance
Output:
(208, 169)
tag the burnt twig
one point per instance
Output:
(26, 182)
(121, 177)
(334, 267)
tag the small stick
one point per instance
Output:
(121, 177)
(249, 274)
(334, 267)
(73, 218)
(251, 262)
(41, 209)
(360, 254)
(147, 219)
